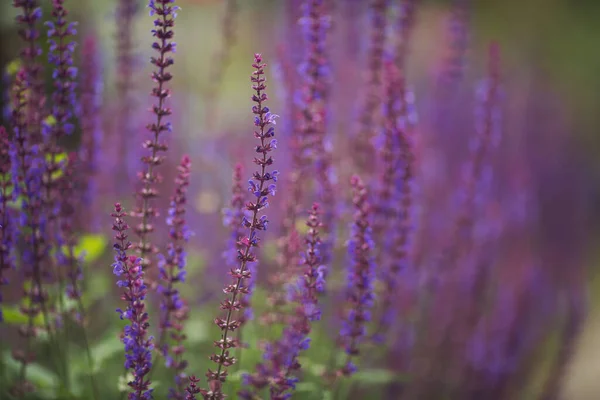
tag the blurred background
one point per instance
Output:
(550, 65)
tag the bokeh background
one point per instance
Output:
(550, 54)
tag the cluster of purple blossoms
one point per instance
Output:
(174, 309)
(361, 272)
(192, 390)
(138, 346)
(124, 133)
(394, 199)
(316, 75)
(27, 172)
(6, 219)
(261, 187)
(231, 219)
(63, 111)
(28, 19)
(91, 129)
(364, 146)
(163, 32)
(60, 33)
(66, 257)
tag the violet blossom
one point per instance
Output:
(91, 127)
(138, 346)
(171, 267)
(27, 175)
(28, 20)
(164, 45)
(261, 189)
(7, 229)
(231, 220)
(359, 295)
(368, 123)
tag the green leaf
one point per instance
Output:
(13, 67)
(96, 289)
(196, 330)
(379, 377)
(237, 375)
(307, 387)
(56, 158)
(45, 381)
(50, 120)
(90, 247)
(14, 316)
(106, 349)
(16, 205)
(313, 368)
(122, 383)
(196, 261)
(328, 395)
(269, 249)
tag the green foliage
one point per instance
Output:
(13, 67)
(91, 247)
(45, 380)
(14, 316)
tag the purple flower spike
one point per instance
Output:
(27, 177)
(316, 73)
(192, 390)
(231, 219)
(395, 200)
(164, 47)
(239, 288)
(91, 127)
(64, 107)
(6, 218)
(66, 257)
(60, 34)
(363, 143)
(174, 310)
(124, 133)
(138, 347)
(360, 278)
(28, 20)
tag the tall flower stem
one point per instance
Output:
(263, 120)
(60, 56)
(7, 223)
(124, 127)
(359, 295)
(164, 45)
(174, 310)
(27, 179)
(138, 347)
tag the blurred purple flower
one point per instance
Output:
(138, 347)
(174, 310)
(359, 293)
(164, 46)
